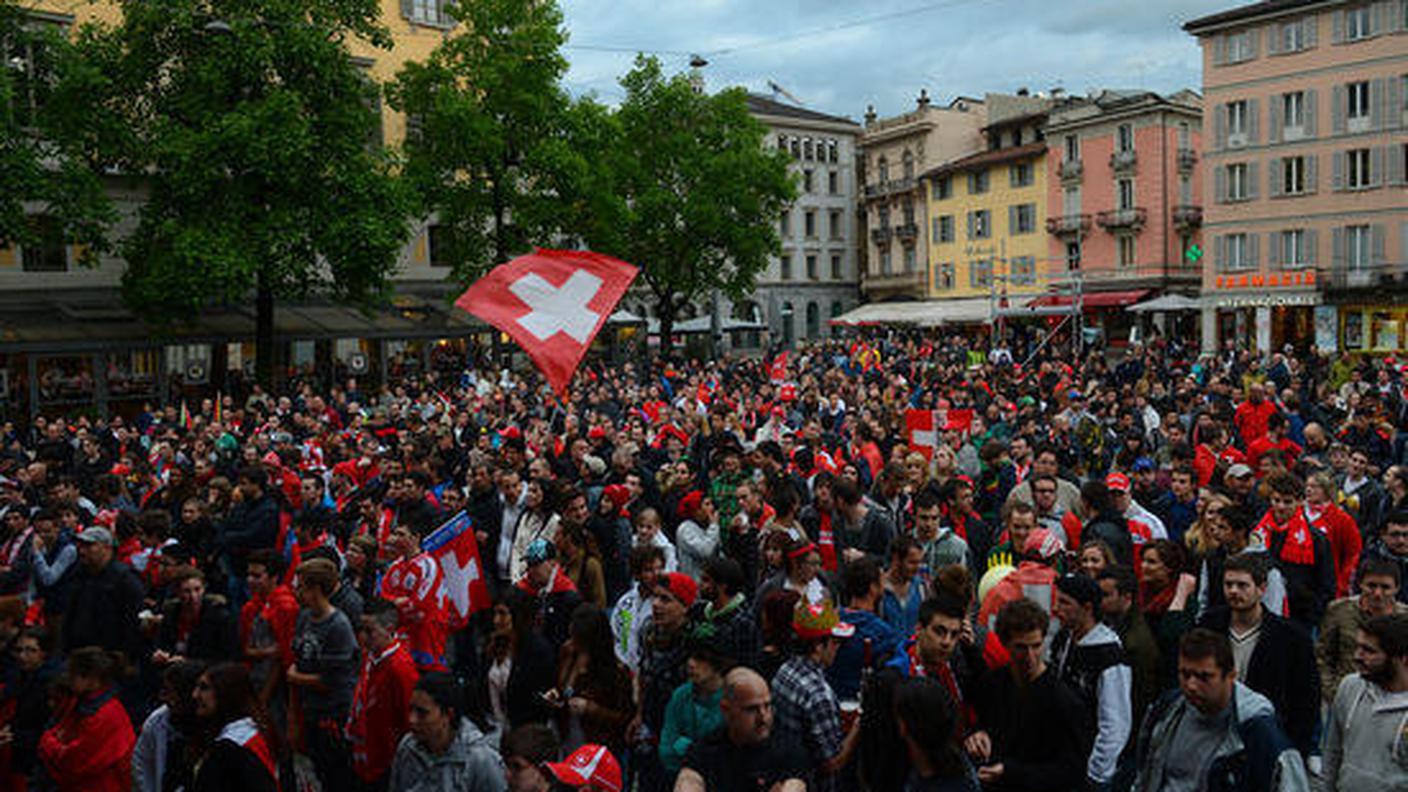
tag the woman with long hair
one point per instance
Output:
(1323, 514)
(89, 749)
(447, 747)
(1164, 590)
(243, 751)
(25, 704)
(538, 520)
(775, 626)
(593, 694)
(518, 666)
(1202, 537)
(927, 720)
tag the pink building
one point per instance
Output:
(1124, 215)
(1307, 215)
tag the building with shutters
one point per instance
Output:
(1124, 221)
(1306, 212)
(987, 211)
(67, 342)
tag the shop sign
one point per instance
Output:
(1267, 300)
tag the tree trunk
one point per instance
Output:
(666, 309)
(265, 345)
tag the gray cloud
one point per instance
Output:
(963, 47)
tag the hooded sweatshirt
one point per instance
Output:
(470, 764)
(1365, 744)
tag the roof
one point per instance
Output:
(924, 313)
(762, 105)
(1250, 11)
(990, 157)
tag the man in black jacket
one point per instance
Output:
(1273, 656)
(1104, 523)
(105, 600)
(253, 524)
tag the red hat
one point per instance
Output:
(1042, 543)
(597, 432)
(272, 459)
(681, 586)
(346, 468)
(788, 392)
(591, 766)
(1117, 482)
(689, 504)
(511, 433)
(618, 494)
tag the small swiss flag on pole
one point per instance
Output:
(462, 585)
(553, 303)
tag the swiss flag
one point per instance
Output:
(922, 428)
(553, 303)
(777, 370)
(455, 549)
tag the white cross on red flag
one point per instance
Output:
(553, 303)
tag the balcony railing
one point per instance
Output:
(880, 235)
(892, 187)
(895, 283)
(1071, 170)
(1123, 161)
(1187, 216)
(1068, 225)
(1187, 158)
(1372, 277)
(906, 231)
(1121, 219)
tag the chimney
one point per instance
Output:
(869, 115)
(1058, 92)
(1023, 91)
(923, 98)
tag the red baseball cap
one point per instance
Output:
(590, 767)
(681, 586)
(1117, 482)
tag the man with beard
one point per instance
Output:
(1379, 582)
(1363, 740)
(1047, 462)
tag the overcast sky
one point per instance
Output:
(838, 56)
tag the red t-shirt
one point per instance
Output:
(380, 707)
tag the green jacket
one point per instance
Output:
(687, 718)
(1334, 649)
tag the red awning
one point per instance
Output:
(1113, 299)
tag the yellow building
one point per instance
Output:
(987, 211)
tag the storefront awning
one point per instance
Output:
(923, 313)
(1165, 304)
(1111, 299)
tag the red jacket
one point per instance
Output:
(1261, 445)
(379, 711)
(414, 584)
(280, 609)
(1251, 420)
(1345, 541)
(90, 750)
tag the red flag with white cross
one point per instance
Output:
(922, 428)
(553, 303)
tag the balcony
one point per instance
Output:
(1187, 158)
(1187, 217)
(1072, 170)
(1370, 277)
(906, 231)
(880, 235)
(1074, 225)
(879, 286)
(1122, 219)
(888, 188)
(1123, 161)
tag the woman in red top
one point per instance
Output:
(90, 748)
(1329, 519)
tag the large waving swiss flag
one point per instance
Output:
(553, 303)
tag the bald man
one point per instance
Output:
(743, 755)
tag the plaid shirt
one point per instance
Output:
(807, 713)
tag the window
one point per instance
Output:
(908, 212)
(883, 169)
(1293, 36)
(812, 273)
(1357, 105)
(1238, 251)
(1126, 194)
(980, 273)
(1126, 251)
(813, 320)
(1238, 113)
(833, 182)
(1126, 137)
(809, 223)
(427, 12)
(807, 149)
(1357, 170)
(782, 143)
(1024, 218)
(836, 271)
(831, 152)
(796, 148)
(980, 224)
(47, 253)
(787, 266)
(784, 225)
(884, 217)
(978, 182)
(834, 220)
(885, 261)
(806, 181)
(1293, 175)
(908, 165)
(1239, 47)
(1293, 251)
(1072, 148)
(1358, 23)
(441, 244)
(942, 188)
(943, 276)
(1238, 185)
(31, 67)
(1023, 174)
(1185, 135)
(945, 232)
(1357, 246)
(1016, 137)
(836, 309)
(1072, 255)
(1293, 110)
(909, 260)
(1024, 270)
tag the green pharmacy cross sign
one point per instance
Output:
(1194, 253)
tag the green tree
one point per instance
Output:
(256, 135)
(490, 155)
(688, 192)
(50, 163)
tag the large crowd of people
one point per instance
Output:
(1132, 569)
